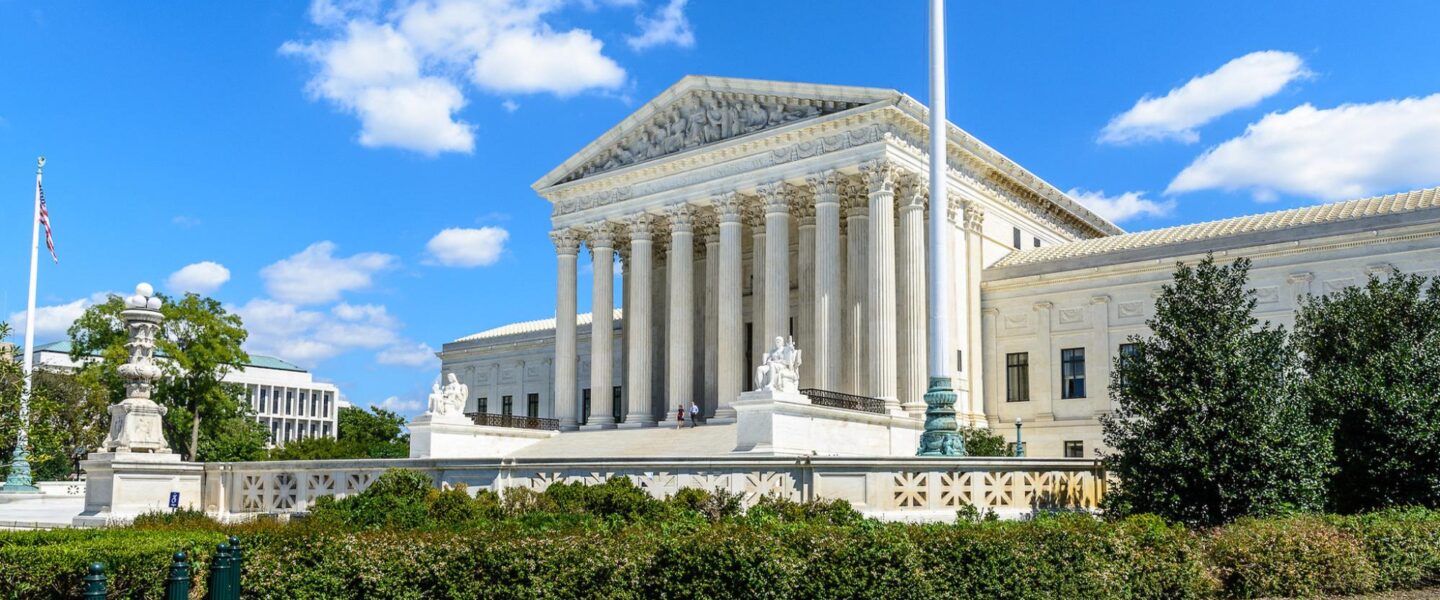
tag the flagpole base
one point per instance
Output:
(942, 434)
(19, 481)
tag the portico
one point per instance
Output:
(818, 194)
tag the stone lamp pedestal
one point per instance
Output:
(135, 472)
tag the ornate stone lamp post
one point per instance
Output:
(137, 423)
(1019, 445)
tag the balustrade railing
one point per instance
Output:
(517, 422)
(846, 401)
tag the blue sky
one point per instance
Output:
(354, 177)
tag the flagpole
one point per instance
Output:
(19, 480)
(941, 436)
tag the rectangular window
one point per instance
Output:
(482, 405)
(617, 407)
(1016, 242)
(289, 401)
(507, 405)
(532, 405)
(584, 406)
(1074, 449)
(327, 405)
(1017, 377)
(1126, 352)
(1072, 373)
(960, 361)
(300, 408)
(1037, 242)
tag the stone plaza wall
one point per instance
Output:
(915, 489)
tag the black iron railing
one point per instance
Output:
(845, 401)
(517, 422)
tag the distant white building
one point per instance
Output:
(285, 397)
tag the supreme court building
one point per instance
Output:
(740, 210)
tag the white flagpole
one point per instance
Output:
(19, 480)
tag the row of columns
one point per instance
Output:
(861, 324)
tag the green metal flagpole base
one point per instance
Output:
(19, 481)
(942, 434)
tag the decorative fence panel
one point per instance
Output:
(892, 488)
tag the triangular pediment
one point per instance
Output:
(699, 111)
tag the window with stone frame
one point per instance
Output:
(1016, 241)
(1072, 373)
(532, 405)
(1127, 351)
(482, 405)
(584, 406)
(1074, 449)
(1017, 377)
(507, 405)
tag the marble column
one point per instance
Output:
(910, 298)
(1097, 367)
(1041, 364)
(638, 411)
(880, 182)
(730, 337)
(802, 206)
(994, 370)
(659, 307)
(680, 329)
(601, 240)
(755, 218)
(857, 282)
(974, 222)
(712, 318)
(567, 245)
(825, 344)
(777, 262)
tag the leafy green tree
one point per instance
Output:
(1209, 424)
(1373, 358)
(983, 442)
(65, 415)
(378, 433)
(201, 343)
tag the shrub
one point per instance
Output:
(397, 499)
(713, 505)
(184, 519)
(1403, 544)
(51, 564)
(1290, 556)
(617, 496)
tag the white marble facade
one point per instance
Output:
(737, 210)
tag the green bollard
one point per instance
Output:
(95, 582)
(177, 585)
(220, 574)
(236, 555)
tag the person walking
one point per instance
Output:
(679, 416)
(694, 414)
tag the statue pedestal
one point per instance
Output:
(437, 436)
(120, 486)
(787, 424)
(136, 424)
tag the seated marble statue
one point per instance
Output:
(779, 370)
(450, 400)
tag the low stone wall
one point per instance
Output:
(911, 488)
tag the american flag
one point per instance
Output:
(45, 220)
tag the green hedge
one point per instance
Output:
(608, 542)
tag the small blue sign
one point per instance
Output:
(174, 499)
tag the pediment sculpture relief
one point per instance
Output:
(702, 118)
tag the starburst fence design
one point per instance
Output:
(889, 487)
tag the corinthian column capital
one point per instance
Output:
(914, 191)
(640, 227)
(682, 218)
(879, 175)
(825, 185)
(567, 241)
(774, 198)
(729, 207)
(974, 216)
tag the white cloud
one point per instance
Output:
(413, 355)
(200, 278)
(1124, 207)
(401, 71)
(396, 405)
(460, 247)
(308, 337)
(1240, 83)
(315, 275)
(510, 106)
(52, 322)
(1349, 151)
(668, 26)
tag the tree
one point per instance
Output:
(1373, 358)
(199, 342)
(983, 442)
(1209, 424)
(65, 414)
(359, 434)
